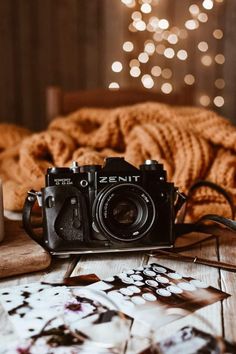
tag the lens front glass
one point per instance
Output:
(124, 212)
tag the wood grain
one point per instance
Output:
(228, 283)
(217, 318)
(208, 318)
(105, 265)
(19, 254)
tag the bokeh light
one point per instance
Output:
(143, 57)
(114, 85)
(203, 46)
(220, 59)
(205, 100)
(208, 4)
(218, 34)
(189, 79)
(169, 53)
(182, 54)
(220, 83)
(147, 81)
(163, 23)
(135, 71)
(219, 101)
(166, 88)
(146, 8)
(156, 70)
(117, 66)
(206, 60)
(128, 46)
(166, 73)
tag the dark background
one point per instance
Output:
(72, 43)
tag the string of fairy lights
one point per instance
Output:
(163, 39)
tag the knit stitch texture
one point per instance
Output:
(192, 143)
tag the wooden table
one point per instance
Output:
(218, 318)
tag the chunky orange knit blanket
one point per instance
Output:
(192, 143)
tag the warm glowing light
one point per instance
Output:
(172, 38)
(143, 57)
(166, 88)
(202, 46)
(117, 66)
(134, 62)
(183, 34)
(135, 71)
(204, 100)
(114, 85)
(128, 46)
(219, 101)
(150, 48)
(202, 17)
(147, 81)
(140, 25)
(146, 8)
(218, 33)
(206, 60)
(207, 4)
(191, 24)
(157, 36)
(163, 23)
(136, 16)
(182, 54)
(149, 28)
(169, 53)
(166, 73)
(154, 22)
(220, 83)
(165, 34)
(175, 30)
(194, 9)
(160, 48)
(132, 28)
(220, 59)
(156, 70)
(189, 79)
(129, 3)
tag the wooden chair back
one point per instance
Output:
(60, 102)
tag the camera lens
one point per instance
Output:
(124, 212)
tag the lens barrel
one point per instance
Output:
(124, 212)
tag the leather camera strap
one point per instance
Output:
(220, 226)
(198, 260)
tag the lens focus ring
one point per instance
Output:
(124, 212)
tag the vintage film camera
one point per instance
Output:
(110, 208)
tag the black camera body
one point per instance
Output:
(109, 208)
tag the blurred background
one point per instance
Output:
(185, 50)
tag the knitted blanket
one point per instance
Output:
(192, 143)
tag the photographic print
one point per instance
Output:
(158, 295)
(63, 320)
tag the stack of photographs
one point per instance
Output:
(45, 315)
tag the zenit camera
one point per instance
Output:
(109, 208)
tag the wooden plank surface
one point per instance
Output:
(217, 318)
(208, 318)
(19, 254)
(228, 282)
